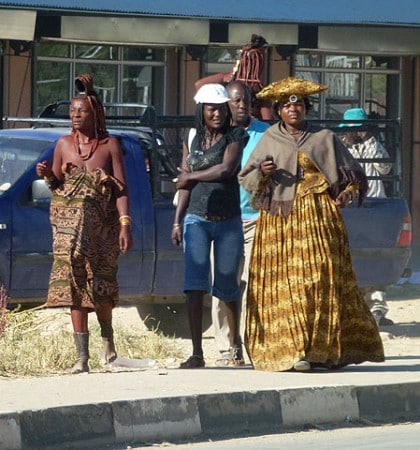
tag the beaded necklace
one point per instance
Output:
(88, 155)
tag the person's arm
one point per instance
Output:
(183, 202)
(352, 171)
(377, 150)
(346, 196)
(220, 78)
(226, 169)
(52, 174)
(122, 202)
(58, 159)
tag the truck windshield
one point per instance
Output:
(17, 155)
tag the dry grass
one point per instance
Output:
(30, 345)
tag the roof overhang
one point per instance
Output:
(175, 31)
(168, 31)
(373, 40)
(17, 25)
(135, 30)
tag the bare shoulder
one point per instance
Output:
(65, 139)
(113, 144)
(64, 142)
(114, 141)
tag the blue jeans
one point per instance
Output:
(228, 243)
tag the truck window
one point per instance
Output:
(17, 155)
(168, 153)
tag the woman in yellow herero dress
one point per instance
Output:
(304, 308)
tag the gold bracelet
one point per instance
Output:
(125, 220)
(176, 225)
(349, 192)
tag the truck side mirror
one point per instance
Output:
(40, 192)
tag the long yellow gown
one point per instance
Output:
(303, 300)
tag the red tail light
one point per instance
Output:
(404, 239)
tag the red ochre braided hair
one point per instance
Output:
(84, 86)
(250, 66)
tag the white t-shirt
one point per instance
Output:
(371, 148)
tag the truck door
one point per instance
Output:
(136, 268)
(164, 160)
(31, 242)
(30, 235)
(5, 235)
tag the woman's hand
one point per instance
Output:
(184, 180)
(343, 199)
(43, 169)
(268, 167)
(176, 234)
(125, 239)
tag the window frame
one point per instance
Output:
(73, 61)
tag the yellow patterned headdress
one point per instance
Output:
(281, 91)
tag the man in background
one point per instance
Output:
(363, 144)
(240, 106)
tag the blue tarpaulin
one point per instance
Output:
(364, 12)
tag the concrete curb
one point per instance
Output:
(183, 417)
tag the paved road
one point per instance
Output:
(391, 437)
(155, 405)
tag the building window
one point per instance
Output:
(370, 82)
(121, 74)
(354, 81)
(220, 60)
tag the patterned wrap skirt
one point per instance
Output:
(85, 227)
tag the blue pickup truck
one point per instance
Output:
(152, 272)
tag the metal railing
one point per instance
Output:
(162, 138)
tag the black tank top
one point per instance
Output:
(215, 200)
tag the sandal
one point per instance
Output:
(302, 366)
(225, 359)
(233, 357)
(237, 356)
(193, 362)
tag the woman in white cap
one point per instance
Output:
(208, 213)
(304, 308)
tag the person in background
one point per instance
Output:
(249, 68)
(362, 144)
(304, 308)
(208, 216)
(90, 220)
(240, 107)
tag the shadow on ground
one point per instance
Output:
(403, 291)
(411, 329)
(171, 320)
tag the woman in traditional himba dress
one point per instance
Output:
(90, 220)
(304, 308)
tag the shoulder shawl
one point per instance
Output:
(276, 194)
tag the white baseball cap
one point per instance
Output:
(211, 93)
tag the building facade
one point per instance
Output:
(153, 54)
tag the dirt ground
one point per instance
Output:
(402, 338)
